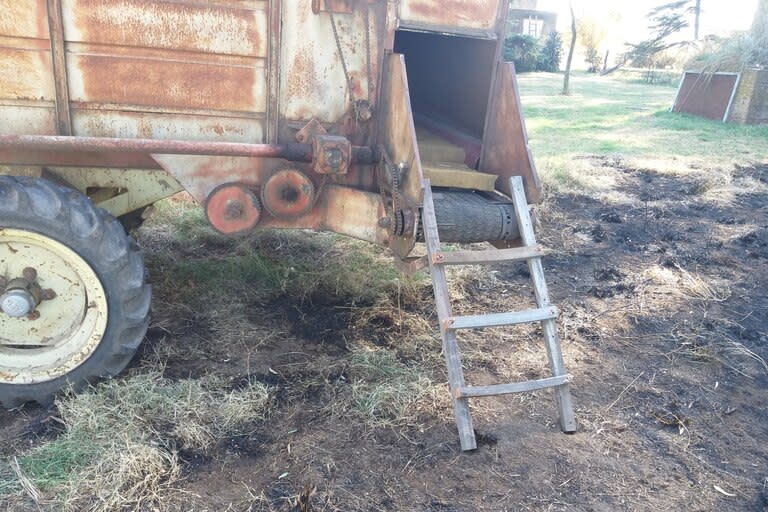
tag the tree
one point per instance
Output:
(591, 34)
(665, 21)
(551, 53)
(697, 12)
(567, 78)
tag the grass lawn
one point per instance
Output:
(613, 117)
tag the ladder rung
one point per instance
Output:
(514, 387)
(488, 256)
(500, 319)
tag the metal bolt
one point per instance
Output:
(234, 210)
(334, 157)
(33, 316)
(30, 274)
(364, 111)
(47, 294)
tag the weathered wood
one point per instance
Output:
(450, 344)
(513, 387)
(447, 174)
(488, 256)
(501, 319)
(562, 393)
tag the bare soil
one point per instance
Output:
(662, 296)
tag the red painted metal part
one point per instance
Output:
(296, 152)
(288, 193)
(233, 209)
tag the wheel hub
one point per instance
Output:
(17, 303)
(53, 308)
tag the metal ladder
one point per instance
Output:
(449, 324)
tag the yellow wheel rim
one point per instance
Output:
(70, 326)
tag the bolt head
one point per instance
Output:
(234, 210)
(334, 157)
(17, 303)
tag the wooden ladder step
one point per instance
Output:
(513, 387)
(449, 174)
(489, 256)
(501, 319)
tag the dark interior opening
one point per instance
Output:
(449, 78)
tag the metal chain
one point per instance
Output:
(347, 76)
(341, 54)
(368, 49)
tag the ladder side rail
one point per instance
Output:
(549, 327)
(450, 343)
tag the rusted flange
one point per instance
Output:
(288, 193)
(232, 209)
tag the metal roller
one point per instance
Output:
(469, 217)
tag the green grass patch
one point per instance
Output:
(612, 116)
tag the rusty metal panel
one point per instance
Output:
(312, 80)
(397, 134)
(24, 18)
(228, 27)
(168, 69)
(505, 146)
(26, 69)
(450, 14)
(150, 125)
(161, 80)
(705, 95)
(28, 119)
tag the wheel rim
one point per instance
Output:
(69, 327)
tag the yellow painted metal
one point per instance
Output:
(70, 326)
(133, 188)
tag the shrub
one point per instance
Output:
(551, 53)
(523, 51)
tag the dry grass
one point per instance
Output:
(122, 440)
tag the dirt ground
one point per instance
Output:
(664, 331)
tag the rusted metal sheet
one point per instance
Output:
(312, 78)
(156, 79)
(25, 18)
(26, 70)
(225, 27)
(397, 135)
(505, 147)
(168, 69)
(341, 210)
(450, 15)
(705, 95)
(31, 119)
(103, 122)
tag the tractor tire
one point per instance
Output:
(93, 307)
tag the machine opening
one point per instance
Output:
(449, 78)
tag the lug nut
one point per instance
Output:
(47, 294)
(29, 274)
(33, 316)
